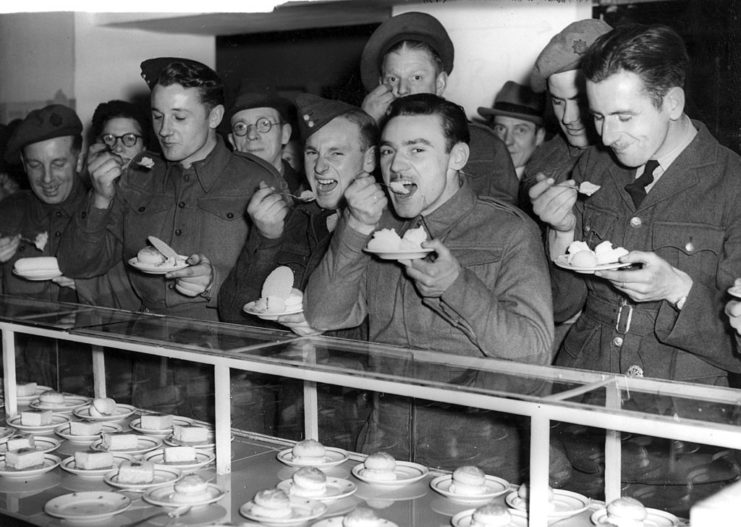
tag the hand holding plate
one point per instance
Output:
(8, 247)
(298, 324)
(195, 279)
(433, 278)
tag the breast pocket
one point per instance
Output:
(691, 247)
(598, 225)
(223, 226)
(481, 260)
(147, 214)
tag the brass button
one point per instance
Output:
(634, 371)
(178, 232)
(690, 247)
(617, 341)
(636, 222)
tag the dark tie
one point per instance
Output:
(637, 189)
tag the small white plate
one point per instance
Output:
(91, 506)
(158, 458)
(494, 487)
(301, 511)
(144, 444)
(121, 412)
(565, 503)
(161, 477)
(337, 488)
(210, 441)
(43, 444)
(159, 269)
(332, 457)
(654, 518)
(463, 519)
(50, 463)
(337, 522)
(135, 425)
(735, 291)
(68, 464)
(400, 255)
(562, 262)
(107, 428)
(406, 473)
(26, 399)
(56, 420)
(38, 276)
(70, 403)
(164, 497)
(249, 308)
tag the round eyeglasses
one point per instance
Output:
(263, 125)
(129, 139)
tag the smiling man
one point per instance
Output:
(485, 293)
(193, 197)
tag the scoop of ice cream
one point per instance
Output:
(588, 188)
(384, 240)
(607, 254)
(150, 256)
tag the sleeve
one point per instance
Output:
(507, 314)
(335, 295)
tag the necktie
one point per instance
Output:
(637, 189)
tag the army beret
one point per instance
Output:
(151, 68)
(565, 50)
(49, 122)
(518, 101)
(314, 112)
(262, 99)
(407, 26)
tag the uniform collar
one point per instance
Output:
(68, 207)
(450, 213)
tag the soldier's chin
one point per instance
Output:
(329, 201)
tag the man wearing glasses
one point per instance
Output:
(260, 125)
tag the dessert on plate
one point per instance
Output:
(491, 516)
(468, 480)
(278, 294)
(93, 460)
(625, 512)
(309, 451)
(308, 482)
(136, 472)
(580, 255)
(362, 517)
(190, 489)
(271, 503)
(379, 466)
(387, 240)
(103, 407)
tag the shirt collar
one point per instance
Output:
(685, 136)
(447, 215)
(210, 168)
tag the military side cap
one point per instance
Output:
(247, 100)
(49, 122)
(518, 101)
(565, 50)
(314, 112)
(407, 26)
(151, 68)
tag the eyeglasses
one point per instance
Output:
(127, 139)
(263, 126)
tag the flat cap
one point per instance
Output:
(518, 101)
(314, 112)
(262, 99)
(151, 68)
(407, 26)
(565, 50)
(49, 122)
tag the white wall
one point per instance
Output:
(497, 41)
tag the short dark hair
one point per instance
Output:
(117, 108)
(656, 53)
(452, 116)
(416, 44)
(194, 75)
(368, 128)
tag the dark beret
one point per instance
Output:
(314, 112)
(49, 122)
(518, 101)
(407, 26)
(565, 50)
(262, 99)
(151, 68)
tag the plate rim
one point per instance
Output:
(133, 487)
(38, 278)
(321, 509)
(562, 514)
(220, 493)
(435, 482)
(560, 262)
(96, 446)
(288, 483)
(186, 465)
(55, 462)
(86, 439)
(273, 316)
(42, 428)
(145, 431)
(398, 255)
(424, 471)
(90, 473)
(71, 496)
(343, 455)
(602, 510)
(134, 262)
(117, 417)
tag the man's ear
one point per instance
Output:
(674, 101)
(285, 136)
(369, 160)
(441, 83)
(458, 156)
(215, 116)
(540, 135)
(80, 162)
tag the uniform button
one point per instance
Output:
(690, 247)
(142, 209)
(178, 232)
(84, 214)
(230, 215)
(634, 371)
(181, 204)
(170, 285)
(59, 214)
(57, 234)
(186, 177)
(636, 222)
(617, 341)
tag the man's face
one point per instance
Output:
(521, 137)
(569, 106)
(118, 127)
(185, 127)
(414, 153)
(333, 159)
(408, 71)
(627, 120)
(265, 145)
(51, 167)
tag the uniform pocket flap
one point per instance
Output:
(689, 238)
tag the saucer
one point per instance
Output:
(406, 473)
(336, 489)
(332, 457)
(493, 487)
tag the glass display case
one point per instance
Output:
(602, 419)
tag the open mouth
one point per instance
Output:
(325, 186)
(402, 189)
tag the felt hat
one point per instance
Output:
(565, 50)
(151, 68)
(518, 101)
(407, 26)
(49, 122)
(314, 112)
(262, 99)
